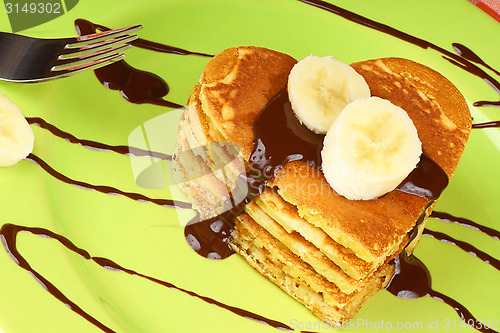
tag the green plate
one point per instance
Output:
(149, 238)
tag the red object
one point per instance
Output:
(491, 7)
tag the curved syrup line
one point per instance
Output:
(464, 246)
(106, 189)
(124, 150)
(412, 280)
(453, 58)
(8, 242)
(490, 124)
(9, 233)
(448, 218)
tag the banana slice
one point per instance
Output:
(372, 147)
(320, 87)
(16, 135)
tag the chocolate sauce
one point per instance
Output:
(490, 124)
(414, 231)
(445, 217)
(158, 47)
(124, 150)
(412, 279)
(470, 55)
(427, 180)
(106, 189)
(459, 61)
(210, 237)
(9, 233)
(487, 103)
(144, 43)
(464, 246)
(135, 85)
(280, 138)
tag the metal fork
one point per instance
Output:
(27, 59)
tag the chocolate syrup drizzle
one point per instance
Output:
(463, 61)
(490, 124)
(445, 217)
(412, 277)
(464, 246)
(9, 233)
(135, 85)
(106, 189)
(280, 138)
(468, 54)
(124, 150)
(140, 42)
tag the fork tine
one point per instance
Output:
(96, 48)
(91, 59)
(102, 36)
(91, 66)
(93, 55)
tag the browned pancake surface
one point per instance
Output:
(436, 107)
(235, 87)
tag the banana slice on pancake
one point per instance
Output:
(320, 87)
(372, 147)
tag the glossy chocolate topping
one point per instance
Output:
(280, 137)
(464, 60)
(9, 233)
(445, 217)
(105, 189)
(210, 237)
(412, 278)
(135, 85)
(490, 124)
(124, 150)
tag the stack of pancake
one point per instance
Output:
(329, 253)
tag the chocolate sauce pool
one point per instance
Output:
(413, 280)
(135, 85)
(143, 87)
(280, 138)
